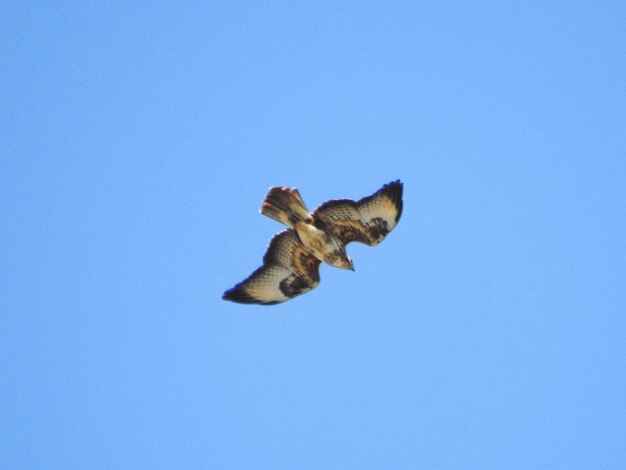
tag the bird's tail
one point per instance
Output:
(285, 205)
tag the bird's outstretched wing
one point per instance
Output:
(288, 270)
(367, 220)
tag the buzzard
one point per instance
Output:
(291, 262)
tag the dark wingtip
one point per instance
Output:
(393, 191)
(239, 295)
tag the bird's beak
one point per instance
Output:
(351, 266)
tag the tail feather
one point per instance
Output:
(285, 205)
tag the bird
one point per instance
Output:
(293, 257)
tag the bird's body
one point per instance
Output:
(291, 262)
(323, 245)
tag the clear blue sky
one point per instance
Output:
(137, 142)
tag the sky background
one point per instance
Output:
(137, 142)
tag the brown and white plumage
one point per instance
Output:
(367, 220)
(287, 270)
(291, 262)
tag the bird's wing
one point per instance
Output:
(288, 270)
(367, 220)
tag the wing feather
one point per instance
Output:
(367, 220)
(288, 270)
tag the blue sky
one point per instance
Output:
(138, 140)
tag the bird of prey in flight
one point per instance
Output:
(291, 262)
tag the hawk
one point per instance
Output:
(292, 260)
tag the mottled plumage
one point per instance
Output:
(291, 262)
(287, 270)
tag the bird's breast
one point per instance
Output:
(318, 242)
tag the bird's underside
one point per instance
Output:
(292, 259)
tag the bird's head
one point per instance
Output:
(346, 262)
(339, 259)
